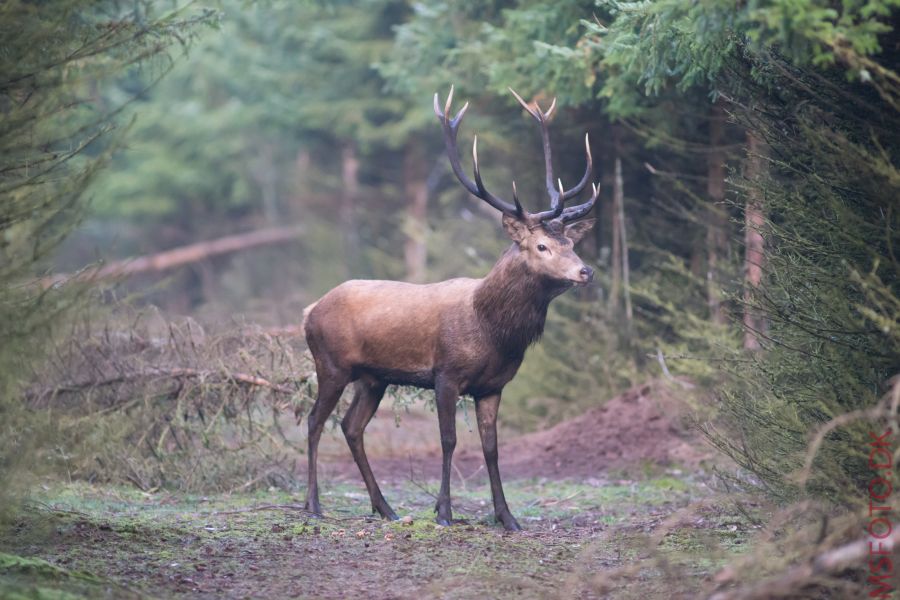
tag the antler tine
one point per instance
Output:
(524, 104)
(476, 188)
(444, 115)
(542, 118)
(576, 212)
(449, 102)
(519, 208)
(550, 110)
(569, 194)
(478, 183)
(556, 209)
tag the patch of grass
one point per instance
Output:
(262, 544)
(33, 578)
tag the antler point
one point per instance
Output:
(449, 102)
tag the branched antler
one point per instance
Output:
(476, 188)
(558, 195)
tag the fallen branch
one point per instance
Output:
(286, 507)
(174, 373)
(887, 407)
(170, 259)
(828, 563)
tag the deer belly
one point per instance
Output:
(401, 359)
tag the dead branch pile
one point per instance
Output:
(161, 403)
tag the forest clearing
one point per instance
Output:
(595, 522)
(442, 299)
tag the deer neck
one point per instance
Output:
(512, 303)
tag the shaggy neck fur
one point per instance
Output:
(512, 302)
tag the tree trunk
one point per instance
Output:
(716, 233)
(753, 244)
(623, 239)
(347, 213)
(177, 257)
(415, 250)
(603, 230)
(616, 245)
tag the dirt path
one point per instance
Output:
(612, 502)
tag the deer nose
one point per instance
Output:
(587, 274)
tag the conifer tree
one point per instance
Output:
(55, 134)
(814, 87)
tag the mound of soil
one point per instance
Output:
(643, 425)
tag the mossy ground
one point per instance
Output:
(85, 541)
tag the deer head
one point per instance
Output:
(545, 239)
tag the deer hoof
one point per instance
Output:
(509, 522)
(388, 515)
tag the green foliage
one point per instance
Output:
(829, 294)
(687, 43)
(530, 47)
(280, 116)
(831, 291)
(231, 119)
(52, 143)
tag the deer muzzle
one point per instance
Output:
(586, 274)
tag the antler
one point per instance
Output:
(558, 197)
(578, 211)
(476, 188)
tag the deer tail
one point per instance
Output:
(298, 409)
(306, 312)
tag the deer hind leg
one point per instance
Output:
(367, 396)
(486, 411)
(446, 395)
(331, 385)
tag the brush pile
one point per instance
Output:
(167, 404)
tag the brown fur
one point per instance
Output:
(461, 336)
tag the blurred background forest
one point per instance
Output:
(747, 157)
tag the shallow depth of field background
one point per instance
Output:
(177, 182)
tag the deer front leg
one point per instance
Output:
(486, 412)
(446, 396)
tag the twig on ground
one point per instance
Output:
(795, 578)
(38, 506)
(284, 507)
(175, 373)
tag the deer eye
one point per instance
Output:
(541, 248)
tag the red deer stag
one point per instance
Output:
(462, 336)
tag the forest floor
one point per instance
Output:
(602, 518)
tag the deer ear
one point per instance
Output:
(576, 231)
(515, 229)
